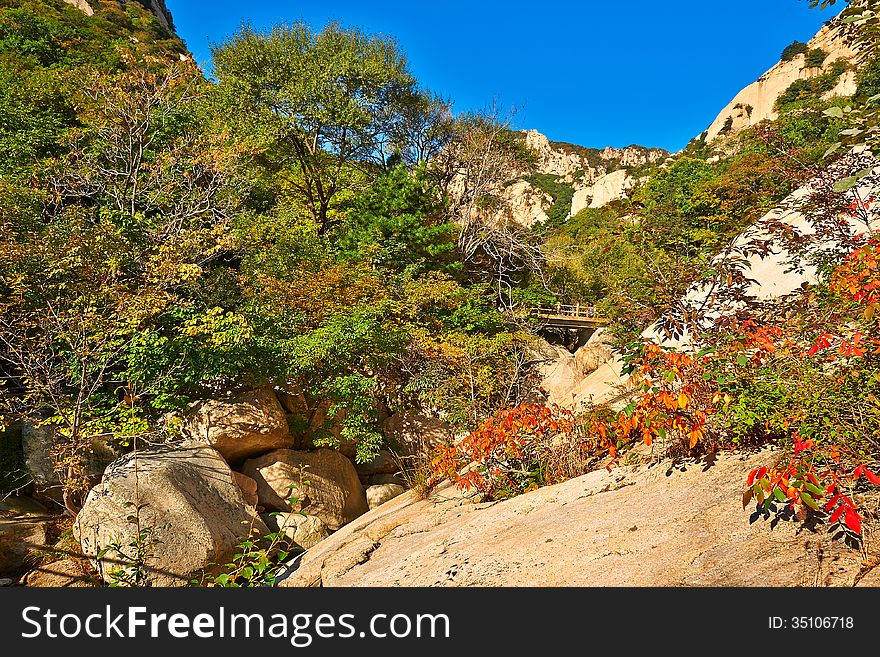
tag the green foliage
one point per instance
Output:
(794, 49)
(560, 192)
(318, 106)
(815, 57)
(868, 78)
(399, 225)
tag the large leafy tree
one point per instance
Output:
(322, 109)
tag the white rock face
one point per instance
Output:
(82, 5)
(551, 160)
(610, 187)
(755, 103)
(525, 204)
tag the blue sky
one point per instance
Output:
(592, 73)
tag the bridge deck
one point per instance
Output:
(576, 316)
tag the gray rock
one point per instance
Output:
(324, 483)
(37, 443)
(304, 530)
(190, 505)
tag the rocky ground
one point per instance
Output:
(657, 524)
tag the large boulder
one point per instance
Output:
(410, 432)
(558, 372)
(323, 482)
(596, 352)
(192, 511)
(19, 537)
(247, 425)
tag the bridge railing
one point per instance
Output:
(578, 311)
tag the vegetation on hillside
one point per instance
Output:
(314, 220)
(164, 238)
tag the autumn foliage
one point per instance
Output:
(514, 451)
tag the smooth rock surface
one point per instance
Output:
(634, 526)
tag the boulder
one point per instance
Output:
(248, 488)
(558, 372)
(410, 432)
(37, 443)
(597, 351)
(324, 483)
(19, 537)
(383, 463)
(381, 493)
(250, 424)
(192, 509)
(67, 573)
(304, 530)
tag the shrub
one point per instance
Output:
(515, 451)
(794, 49)
(815, 57)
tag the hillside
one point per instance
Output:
(304, 324)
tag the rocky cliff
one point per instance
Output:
(757, 101)
(157, 7)
(594, 177)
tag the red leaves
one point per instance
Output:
(507, 451)
(822, 342)
(801, 484)
(852, 520)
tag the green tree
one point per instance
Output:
(320, 108)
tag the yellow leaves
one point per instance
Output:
(321, 292)
(683, 400)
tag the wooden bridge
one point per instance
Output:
(563, 316)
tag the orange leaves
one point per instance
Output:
(858, 277)
(510, 452)
(822, 342)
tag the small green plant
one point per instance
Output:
(131, 557)
(259, 556)
(815, 57)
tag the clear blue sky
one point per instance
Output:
(592, 73)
